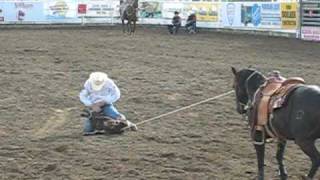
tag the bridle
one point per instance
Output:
(249, 103)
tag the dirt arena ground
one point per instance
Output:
(42, 72)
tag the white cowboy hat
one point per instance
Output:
(97, 80)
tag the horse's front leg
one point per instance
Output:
(259, 145)
(260, 148)
(280, 152)
(260, 157)
(123, 28)
(129, 27)
(134, 27)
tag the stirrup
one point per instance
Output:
(262, 138)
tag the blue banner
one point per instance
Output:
(256, 15)
(21, 11)
(270, 14)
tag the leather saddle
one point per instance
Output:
(273, 94)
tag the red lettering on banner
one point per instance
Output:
(311, 33)
(82, 9)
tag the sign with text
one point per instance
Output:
(208, 12)
(289, 15)
(21, 11)
(270, 15)
(102, 8)
(60, 9)
(310, 33)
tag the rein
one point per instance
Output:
(247, 105)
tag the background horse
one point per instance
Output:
(298, 120)
(128, 11)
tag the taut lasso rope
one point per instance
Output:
(183, 108)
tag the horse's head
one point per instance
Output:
(134, 3)
(245, 84)
(131, 11)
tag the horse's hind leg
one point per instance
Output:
(309, 148)
(280, 152)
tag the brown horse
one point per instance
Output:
(128, 11)
(297, 120)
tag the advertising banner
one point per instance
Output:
(82, 9)
(102, 8)
(270, 15)
(168, 9)
(250, 14)
(231, 14)
(289, 15)
(1, 14)
(21, 0)
(207, 12)
(60, 9)
(210, 14)
(150, 9)
(310, 33)
(21, 11)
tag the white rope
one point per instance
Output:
(183, 108)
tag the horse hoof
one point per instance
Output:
(284, 177)
(258, 178)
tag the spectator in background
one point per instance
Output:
(191, 25)
(176, 23)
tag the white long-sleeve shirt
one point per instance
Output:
(109, 93)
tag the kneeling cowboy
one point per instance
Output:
(99, 94)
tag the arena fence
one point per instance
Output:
(310, 20)
(258, 16)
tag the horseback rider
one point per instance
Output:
(128, 11)
(99, 94)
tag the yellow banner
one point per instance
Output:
(204, 11)
(289, 15)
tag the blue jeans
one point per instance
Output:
(191, 26)
(174, 28)
(108, 110)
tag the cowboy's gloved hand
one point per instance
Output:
(96, 108)
(100, 104)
